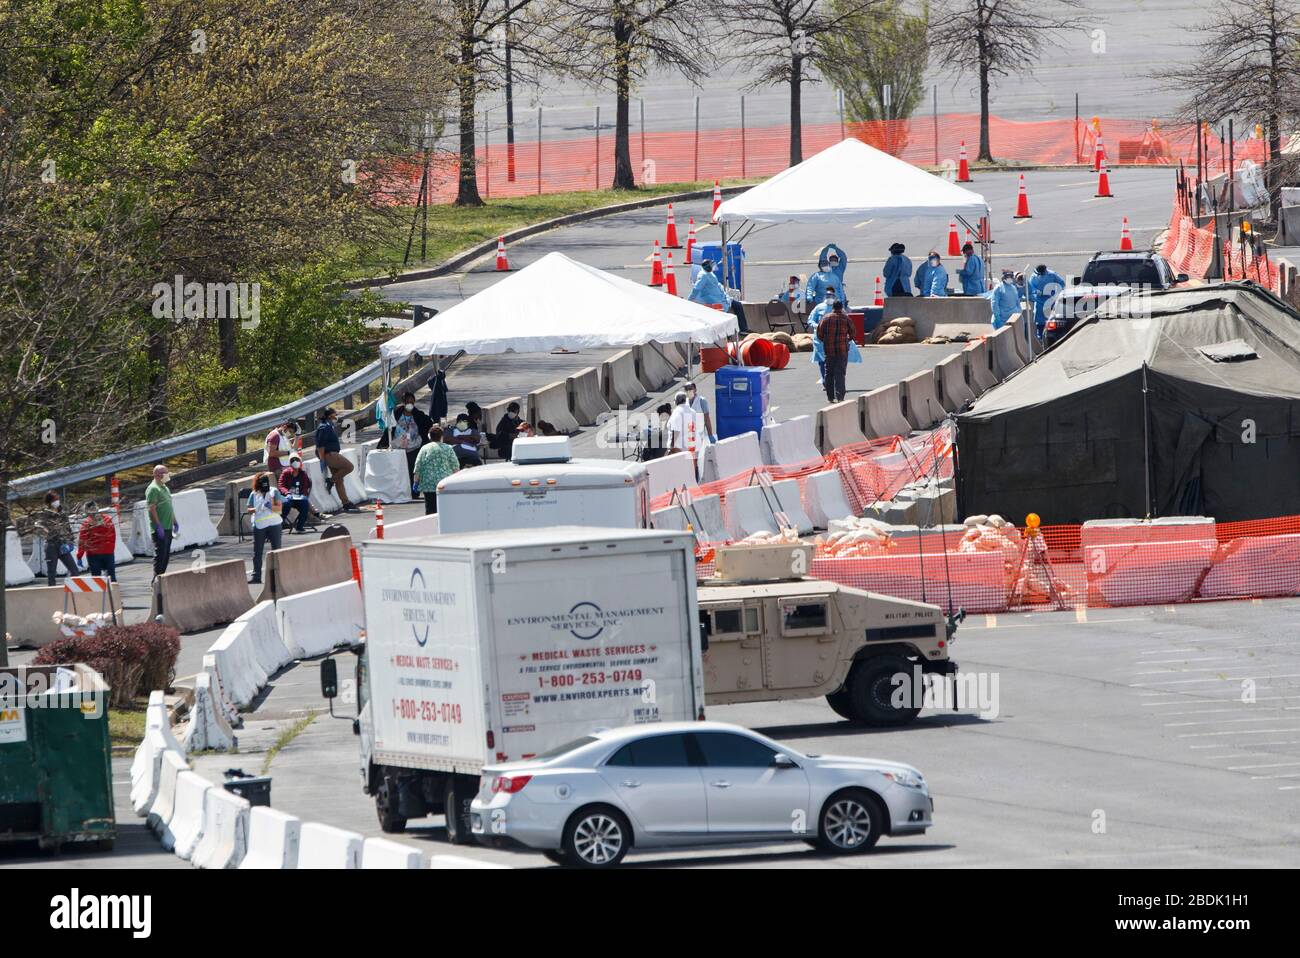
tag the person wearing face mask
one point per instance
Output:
(410, 431)
(162, 518)
(507, 429)
(329, 450)
(434, 463)
(931, 277)
(658, 436)
(814, 318)
(700, 406)
(1005, 299)
(295, 486)
(897, 271)
(464, 439)
(266, 505)
(971, 272)
(279, 443)
(51, 524)
(831, 265)
(97, 542)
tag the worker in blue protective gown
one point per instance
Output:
(1043, 288)
(1005, 299)
(971, 273)
(815, 317)
(898, 272)
(931, 277)
(831, 265)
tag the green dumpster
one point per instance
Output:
(56, 781)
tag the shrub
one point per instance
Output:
(133, 659)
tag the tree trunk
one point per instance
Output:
(796, 110)
(986, 153)
(156, 417)
(467, 194)
(4, 524)
(623, 176)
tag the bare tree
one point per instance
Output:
(781, 37)
(995, 38)
(615, 41)
(1247, 64)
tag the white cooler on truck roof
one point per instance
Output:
(488, 647)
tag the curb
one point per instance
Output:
(467, 256)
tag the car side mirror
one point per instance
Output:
(781, 760)
(1181, 278)
(329, 678)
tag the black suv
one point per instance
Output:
(1106, 276)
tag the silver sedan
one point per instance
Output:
(590, 801)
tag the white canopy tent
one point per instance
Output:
(558, 302)
(851, 182)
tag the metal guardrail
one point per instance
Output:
(198, 439)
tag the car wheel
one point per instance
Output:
(851, 822)
(871, 691)
(597, 837)
(386, 808)
(558, 856)
(455, 809)
(841, 703)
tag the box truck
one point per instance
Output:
(543, 485)
(486, 647)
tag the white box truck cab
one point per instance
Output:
(543, 485)
(492, 646)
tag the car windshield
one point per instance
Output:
(565, 749)
(1121, 272)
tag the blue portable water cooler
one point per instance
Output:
(740, 399)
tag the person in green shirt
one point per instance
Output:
(434, 463)
(162, 518)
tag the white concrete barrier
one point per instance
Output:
(586, 401)
(242, 675)
(670, 472)
(208, 727)
(789, 443)
(789, 501)
(225, 830)
(312, 623)
(1132, 562)
(731, 457)
(382, 853)
(196, 526)
(882, 413)
(708, 510)
(17, 571)
(164, 803)
(321, 499)
(839, 425)
(273, 838)
(1258, 567)
(460, 861)
(157, 714)
(978, 361)
(619, 380)
(324, 846)
(1006, 358)
(387, 478)
(352, 482)
(653, 368)
(670, 517)
(1017, 324)
(748, 512)
(263, 630)
(415, 528)
(226, 706)
(823, 498)
(146, 770)
(921, 404)
(186, 827)
(550, 403)
(950, 381)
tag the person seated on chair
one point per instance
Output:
(463, 439)
(658, 436)
(296, 486)
(506, 431)
(707, 291)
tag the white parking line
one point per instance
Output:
(1268, 718)
(1238, 768)
(1227, 678)
(1258, 731)
(1213, 658)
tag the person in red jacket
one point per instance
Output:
(98, 542)
(296, 486)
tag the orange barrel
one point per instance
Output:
(757, 352)
(781, 355)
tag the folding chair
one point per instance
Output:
(780, 318)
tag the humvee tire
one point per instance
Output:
(841, 703)
(871, 688)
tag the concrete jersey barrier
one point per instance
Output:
(208, 727)
(671, 517)
(882, 413)
(551, 403)
(29, 611)
(979, 363)
(186, 826)
(352, 482)
(654, 369)
(748, 511)
(262, 629)
(273, 838)
(731, 457)
(791, 442)
(1017, 324)
(708, 510)
(586, 401)
(232, 508)
(146, 768)
(950, 382)
(619, 380)
(789, 500)
(312, 623)
(324, 846)
(196, 528)
(387, 477)
(383, 853)
(941, 314)
(164, 804)
(321, 499)
(213, 593)
(838, 425)
(242, 675)
(670, 472)
(17, 571)
(1006, 359)
(823, 498)
(921, 406)
(302, 568)
(225, 830)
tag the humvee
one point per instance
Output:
(772, 635)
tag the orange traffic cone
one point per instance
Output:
(880, 293)
(1125, 241)
(1099, 156)
(1022, 201)
(1103, 182)
(379, 520)
(656, 268)
(670, 280)
(503, 264)
(690, 242)
(963, 166)
(954, 244)
(717, 200)
(670, 234)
